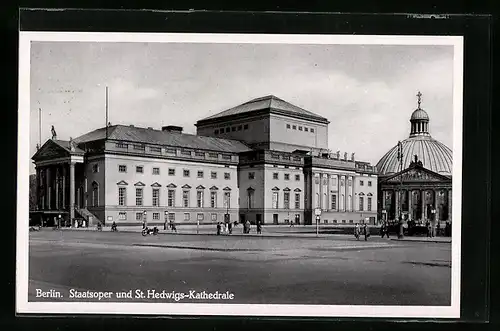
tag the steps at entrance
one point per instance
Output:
(86, 215)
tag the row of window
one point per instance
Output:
(231, 129)
(334, 202)
(299, 127)
(139, 198)
(172, 151)
(171, 172)
(286, 200)
(342, 182)
(285, 176)
(169, 216)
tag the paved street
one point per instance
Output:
(287, 270)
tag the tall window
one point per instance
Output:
(156, 197)
(213, 175)
(139, 169)
(286, 200)
(369, 183)
(171, 171)
(156, 216)
(185, 172)
(227, 200)
(361, 203)
(275, 200)
(287, 176)
(187, 216)
(297, 200)
(369, 204)
(361, 183)
(122, 196)
(171, 198)
(213, 199)
(138, 196)
(275, 175)
(199, 199)
(95, 194)
(250, 198)
(227, 175)
(122, 168)
(122, 215)
(156, 171)
(297, 177)
(251, 175)
(334, 201)
(185, 198)
(200, 174)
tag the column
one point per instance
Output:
(384, 197)
(71, 191)
(57, 189)
(410, 204)
(37, 189)
(398, 203)
(321, 191)
(338, 192)
(423, 205)
(47, 187)
(64, 186)
(436, 204)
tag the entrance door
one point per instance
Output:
(242, 218)
(275, 218)
(297, 219)
(258, 218)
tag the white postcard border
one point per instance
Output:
(22, 256)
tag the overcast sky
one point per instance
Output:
(367, 92)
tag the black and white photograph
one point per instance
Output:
(239, 174)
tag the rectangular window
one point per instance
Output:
(185, 199)
(361, 183)
(227, 200)
(138, 196)
(297, 177)
(200, 174)
(294, 127)
(156, 171)
(122, 196)
(361, 203)
(275, 175)
(286, 200)
(95, 168)
(200, 216)
(228, 129)
(122, 168)
(171, 151)
(185, 172)
(240, 127)
(250, 199)
(245, 127)
(312, 130)
(171, 198)
(287, 176)
(156, 216)
(334, 202)
(212, 155)
(139, 169)
(216, 132)
(138, 216)
(155, 149)
(120, 145)
(199, 199)
(185, 152)
(275, 200)
(227, 175)
(213, 175)
(369, 204)
(306, 129)
(214, 217)
(226, 157)
(369, 183)
(171, 217)
(171, 171)
(288, 126)
(122, 215)
(213, 199)
(156, 197)
(300, 128)
(297, 200)
(187, 216)
(251, 175)
(199, 154)
(233, 128)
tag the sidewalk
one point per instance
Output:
(426, 239)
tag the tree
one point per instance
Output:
(32, 192)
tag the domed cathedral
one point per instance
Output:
(415, 176)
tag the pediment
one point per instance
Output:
(297, 190)
(139, 184)
(416, 174)
(275, 188)
(156, 184)
(122, 182)
(200, 187)
(50, 150)
(214, 188)
(186, 186)
(171, 185)
(250, 189)
(286, 189)
(227, 188)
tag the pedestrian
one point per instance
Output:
(247, 226)
(143, 225)
(174, 228)
(165, 225)
(428, 227)
(438, 228)
(366, 232)
(356, 231)
(259, 227)
(218, 228)
(225, 227)
(230, 228)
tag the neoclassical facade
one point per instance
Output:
(264, 160)
(415, 176)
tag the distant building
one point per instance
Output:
(265, 160)
(420, 187)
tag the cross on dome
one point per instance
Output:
(419, 99)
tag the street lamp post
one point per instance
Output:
(166, 220)
(145, 218)
(317, 212)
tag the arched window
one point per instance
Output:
(95, 194)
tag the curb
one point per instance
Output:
(423, 241)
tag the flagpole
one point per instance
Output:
(106, 112)
(40, 126)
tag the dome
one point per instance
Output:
(434, 155)
(419, 114)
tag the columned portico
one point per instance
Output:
(71, 190)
